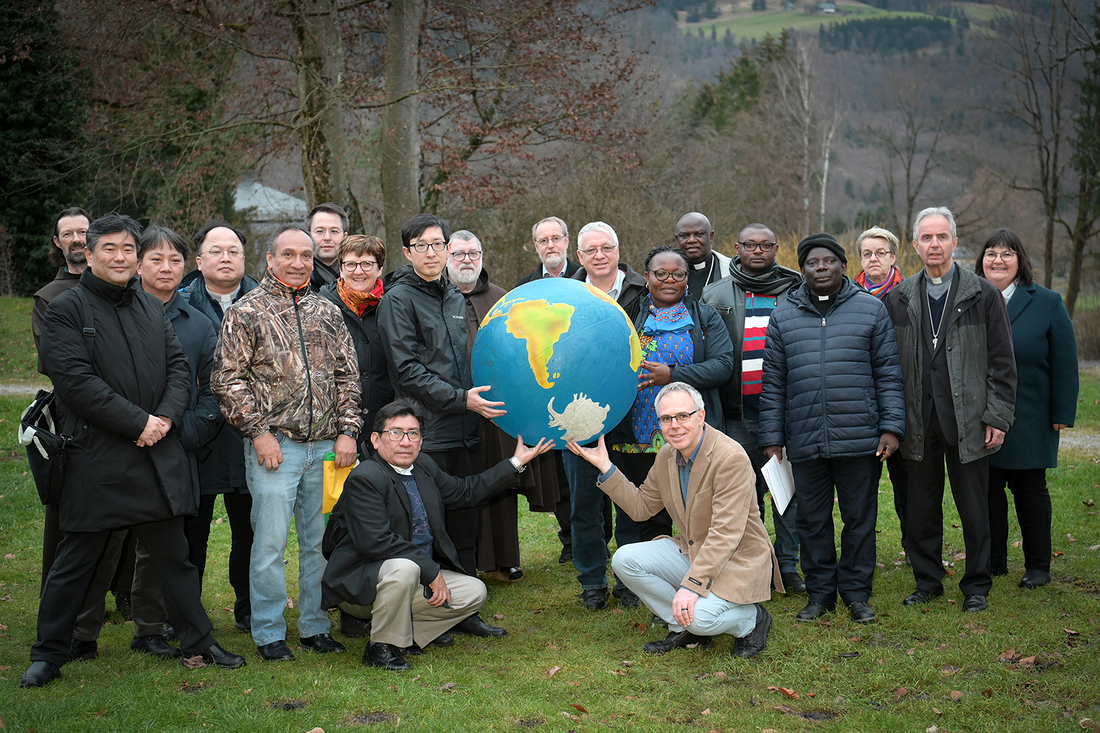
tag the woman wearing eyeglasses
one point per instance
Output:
(357, 292)
(1046, 402)
(683, 340)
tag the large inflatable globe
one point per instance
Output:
(562, 356)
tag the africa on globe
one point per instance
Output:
(562, 356)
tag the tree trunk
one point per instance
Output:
(320, 63)
(400, 141)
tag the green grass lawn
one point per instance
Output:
(755, 25)
(1027, 664)
(18, 358)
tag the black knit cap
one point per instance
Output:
(820, 240)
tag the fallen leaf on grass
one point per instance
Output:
(900, 693)
(786, 691)
(100, 713)
(949, 670)
(617, 611)
(447, 686)
(848, 655)
(720, 675)
(9, 556)
(705, 712)
(498, 616)
(577, 718)
(1089, 502)
(910, 651)
(578, 707)
(950, 571)
(1071, 632)
(988, 692)
(194, 662)
(247, 691)
(640, 626)
(1056, 553)
(290, 603)
(956, 695)
(553, 670)
(938, 712)
(931, 729)
(617, 672)
(573, 683)
(1009, 655)
(1070, 538)
(627, 663)
(4, 667)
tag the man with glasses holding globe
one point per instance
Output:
(745, 299)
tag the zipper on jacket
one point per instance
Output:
(824, 402)
(309, 372)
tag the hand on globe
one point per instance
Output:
(476, 403)
(524, 454)
(597, 455)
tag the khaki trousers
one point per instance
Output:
(401, 615)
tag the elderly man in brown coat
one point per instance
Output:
(710, 579)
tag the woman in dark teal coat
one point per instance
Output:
(1046, 402)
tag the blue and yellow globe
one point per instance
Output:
(562, 356)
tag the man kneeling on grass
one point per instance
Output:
(390, 559)
(710, 579)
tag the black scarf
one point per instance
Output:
(775, 280)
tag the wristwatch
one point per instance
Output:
(520, 467)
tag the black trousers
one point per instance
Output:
(635, 467)
(238, 506)
(899, 477)
(924, 514)
(463, 525)
(71, 575)
(856, 484)
(1029, 493)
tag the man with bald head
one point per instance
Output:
(755, 286)
(694, 235)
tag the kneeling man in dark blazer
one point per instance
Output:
(389, 556)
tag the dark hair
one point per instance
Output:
(283, 229)
(210, 226)
(57, 257)
(154, 236)
(330, 208)
(415, 226)
(363, 244)
(660, 250)
(1009, 239)
(398, 408)
(110, 224)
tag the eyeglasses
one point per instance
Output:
(471, 256)
(365, 266)
(991, 256)
(218, 252)
(423, 246)
(556, 239)
(878, 254)
(606, 249)
(754, 246)
(685, 236)
(664, 275)
(396, 435)
(681, 418)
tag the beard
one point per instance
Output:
(553, 261)
(465, 275)
(78, 258)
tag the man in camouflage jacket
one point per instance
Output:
(286, 377)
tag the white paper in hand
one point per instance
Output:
(780, 481)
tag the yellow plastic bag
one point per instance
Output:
(334, 482)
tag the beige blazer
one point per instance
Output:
(720, 528)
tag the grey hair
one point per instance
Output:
(879, 233)
(680, 387)
(556, 220)
(283, 229)
(935, 211)
(596, 226)
(465, 235)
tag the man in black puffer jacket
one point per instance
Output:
(833, 395)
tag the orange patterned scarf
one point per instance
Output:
(356, 300)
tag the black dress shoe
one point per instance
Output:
(627, 598)
(1034, 578)
(219, 657)
(323, 643)
(40, 674)
(861, 612)
(386, 656)
(566, 554)
(594, 599)
(170, 633)
(155, 645)
(975, 603)
(920, 597)
(83, 651)
(678, 640)
(757, 639)
(793, 582)
(244, 624)
(476, 626)
(812, 612)
(353, 627)
(276, 651)
(443, 640)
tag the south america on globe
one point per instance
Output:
(562, 356)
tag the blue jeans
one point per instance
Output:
(746, 433)
(587, 519)
(295, 488)
(654, 571)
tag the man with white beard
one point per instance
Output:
(551, 238)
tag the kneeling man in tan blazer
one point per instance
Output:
(710, 579)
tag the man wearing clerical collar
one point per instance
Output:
(955, 344)
(694, 236)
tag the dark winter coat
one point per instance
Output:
(981, 368)
(423, 328)
(634, 287)
(1048, 379)
(221, 461)
(374, 377)
(832, 383)
(134, 369)
(571, 268)
(372, 523)
(61, 282)
(710, 368)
